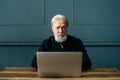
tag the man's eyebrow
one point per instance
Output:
(57, 26)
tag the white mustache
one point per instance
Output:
(61, 34)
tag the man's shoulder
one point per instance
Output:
(76, 41)
(73, 38)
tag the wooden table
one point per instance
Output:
(28, 73)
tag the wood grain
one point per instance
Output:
(28, 73)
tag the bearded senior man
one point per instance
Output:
(61, 41)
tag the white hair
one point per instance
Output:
(59, 16)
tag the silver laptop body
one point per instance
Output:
(55, 64)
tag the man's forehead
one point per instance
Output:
(59, 25)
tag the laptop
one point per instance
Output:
(59, 64)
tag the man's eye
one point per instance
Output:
(63, 27)
(57, 27)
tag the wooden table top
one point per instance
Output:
(28, 73)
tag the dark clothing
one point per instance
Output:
(71, 44)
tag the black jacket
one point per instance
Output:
(71, 44)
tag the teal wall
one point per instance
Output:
(25, 23)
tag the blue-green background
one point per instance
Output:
(25, 23)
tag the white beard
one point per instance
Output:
(60, 39)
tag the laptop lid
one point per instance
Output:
(56, 64)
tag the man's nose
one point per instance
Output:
(60, 30)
